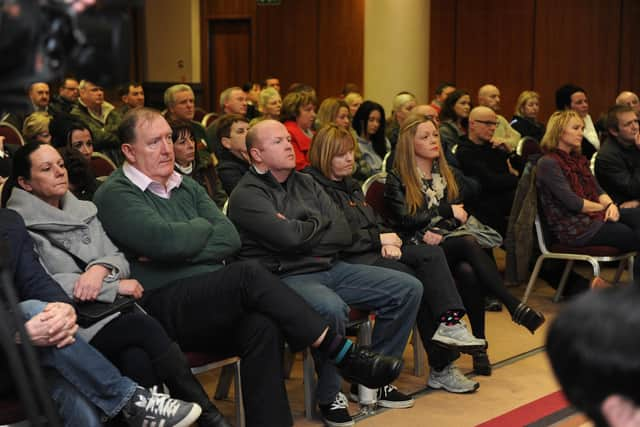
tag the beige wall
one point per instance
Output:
(396, 49)
(172, 40)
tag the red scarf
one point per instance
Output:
(575, 168)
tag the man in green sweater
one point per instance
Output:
(177, 240)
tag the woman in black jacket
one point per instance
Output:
(332, 164)
(423, 198)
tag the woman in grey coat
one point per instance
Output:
(75, 250)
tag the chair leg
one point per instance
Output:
(419, 354)
(365, 331)
(309, 379)
(288, 360)
(240, 420)
(224, 382)
(619, 271)
(533, 278)
(563, 280)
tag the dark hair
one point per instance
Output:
(248, 86)
(563, 95)
(124, 89)
(448, 111)
(81, 179)
(223, 126)
(269, 77)
(20, 167)
(348, 88)
(593, 348)
(178, 127)
(359, 122)
(442, 86)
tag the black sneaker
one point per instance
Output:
(147, 407)
(390, 397)
(373, 370)
(335, 414)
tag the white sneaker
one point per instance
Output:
(452, 380)
(457, 337)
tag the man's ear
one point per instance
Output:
(255, 155)
(129, 153)
(613, 131)
(24, 184)
(226, 142)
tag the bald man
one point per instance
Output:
(629, 99)
(496, 169)
(489, 96)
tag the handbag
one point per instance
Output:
(90, 312)
(486, 236)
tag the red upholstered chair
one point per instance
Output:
(528, 146)
(11, 134)
(203, 362)
(208, 119)
(101, 165)
(11, 411)
(594, 255)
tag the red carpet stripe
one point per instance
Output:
(529, 412)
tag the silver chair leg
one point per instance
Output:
(419, 354)
(533, 278)
(309, 379)
(240, 419)
(563, 280)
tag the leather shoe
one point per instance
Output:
(373, 370)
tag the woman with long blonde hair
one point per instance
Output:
(425, 204)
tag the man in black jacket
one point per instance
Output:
(618, 161)
(287, 221)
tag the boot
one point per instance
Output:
(481, 364)
(173, 369)
(528, 317)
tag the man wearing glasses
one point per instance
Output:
(67, 97)
(489, 96)
(495, 166)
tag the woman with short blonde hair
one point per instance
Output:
(36, 127)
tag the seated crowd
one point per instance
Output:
(299, 246)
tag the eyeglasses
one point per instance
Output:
(487, 122)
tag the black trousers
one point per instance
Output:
(429, 265)
(242, 310)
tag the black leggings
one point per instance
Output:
(466, 249)
(472, 294)
(131, 342)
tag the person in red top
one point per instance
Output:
(298, 115)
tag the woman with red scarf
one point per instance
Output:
(578, 212)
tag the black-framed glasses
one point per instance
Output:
(487, 122)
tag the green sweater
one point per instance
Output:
(179, 237)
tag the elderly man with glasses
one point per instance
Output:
(495, 165)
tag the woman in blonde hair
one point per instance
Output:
(525, 117)
(333, 110)
(425, 203)
(578, 212)
(36, 127)
(439, 317)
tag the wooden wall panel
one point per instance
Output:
(287, 40)
(577, 41)
(494, 43)
(227, 9)
(442, 41)
(340, 45)
(629, 75)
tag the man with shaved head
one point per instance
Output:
(629, 99)
(495, 168)
(504, 135)
(288, 223)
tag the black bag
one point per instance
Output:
(91, 312)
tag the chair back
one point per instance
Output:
(199, 114)
(373, 189)
(208, 119)
(101, 165)
(528, 146)
(540, 234)
(11, 134)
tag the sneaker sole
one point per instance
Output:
(439, 386)
(392, 404)
(191, 417)
(468, 349)
(337, 424)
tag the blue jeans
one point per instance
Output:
(393, 296)
(85, 375)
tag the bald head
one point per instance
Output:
(269, 148)
(489, 96)
(425, 110)
(482, 124)
(39, 95)
(629, 99)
